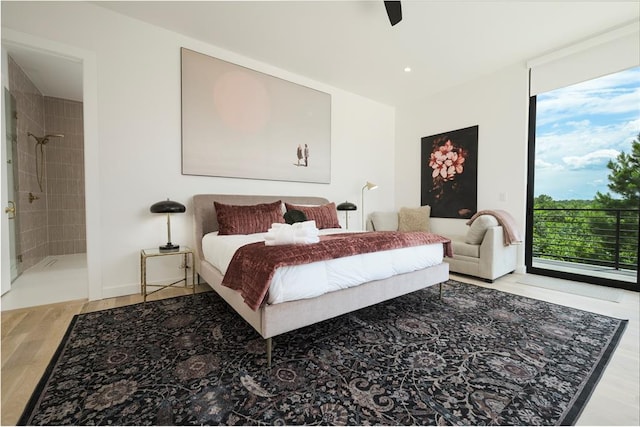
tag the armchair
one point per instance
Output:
(481, 252)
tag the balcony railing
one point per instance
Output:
(598, 237)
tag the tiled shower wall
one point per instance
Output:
(54, 223)
(33, 242)
(65, 176)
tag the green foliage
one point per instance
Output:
(624, 180)
(582, 231)
(603, 231)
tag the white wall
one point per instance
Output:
(132, 135)
(498, 104)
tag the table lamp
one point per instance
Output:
(168, 207)
(346, 206)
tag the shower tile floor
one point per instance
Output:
(54, 279)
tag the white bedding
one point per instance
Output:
(311, 280)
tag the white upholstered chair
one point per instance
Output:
(480, 252)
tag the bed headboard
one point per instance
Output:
(204, 212)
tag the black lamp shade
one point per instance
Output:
(346, 206)
(167, 206)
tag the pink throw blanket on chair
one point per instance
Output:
(511, 232)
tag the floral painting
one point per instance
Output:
(449, 165)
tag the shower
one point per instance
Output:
(41, 142)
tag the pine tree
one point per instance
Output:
(624, 180)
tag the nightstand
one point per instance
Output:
(184, 251)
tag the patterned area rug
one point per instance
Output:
(479, 356)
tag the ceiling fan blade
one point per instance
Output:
(394, 11)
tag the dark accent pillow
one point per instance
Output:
(325, 216)
(293, 216)
(240, 219)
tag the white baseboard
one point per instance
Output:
(119, 291)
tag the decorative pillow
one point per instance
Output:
(384, 221)
(478, 228)
(239, 219)
(293, 216)
(414, 219)
(325, 216)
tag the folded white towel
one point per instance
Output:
(305, 225)
(292, 234)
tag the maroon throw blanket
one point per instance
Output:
(253, 265)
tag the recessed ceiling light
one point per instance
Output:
(407, 69)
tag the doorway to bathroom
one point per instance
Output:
(49, 180)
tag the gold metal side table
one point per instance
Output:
(145, 254)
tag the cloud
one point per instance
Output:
(577, 138)
(579, 124)
(541, 164)
(595, 159)
(632, 126)
(614, 94)
(579, 129)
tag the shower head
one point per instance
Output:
(44, 139)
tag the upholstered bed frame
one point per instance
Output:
(272, 320)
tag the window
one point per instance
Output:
(580, 128)
(575, 131)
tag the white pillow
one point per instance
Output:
(384, 221)
(478, 228)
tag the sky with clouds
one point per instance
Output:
(579, 129)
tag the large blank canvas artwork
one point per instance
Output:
(238, 122)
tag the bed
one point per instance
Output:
(270, 320)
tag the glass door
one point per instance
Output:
(11, 209)
(583, 206)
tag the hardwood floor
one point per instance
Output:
(30, 337)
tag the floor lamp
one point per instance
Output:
(367, 186)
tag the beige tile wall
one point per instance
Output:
(65, 176)
(54, 224)
(32, 217)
